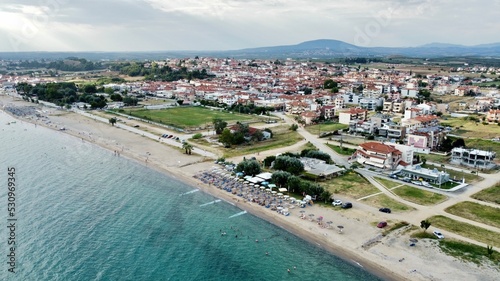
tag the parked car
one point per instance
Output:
(417, 182)
(438, 234)
(426, 184)
(346, 205)
(337, 202)
(382, 224)
(385, 210)
(406, 179)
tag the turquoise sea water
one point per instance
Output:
(85, 214)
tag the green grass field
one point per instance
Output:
(351, 184)
(418, 196)
(468, 128)
(389, 184)
(466, 230)
(341, 151)
(491, 194)
(189, 117)
(383, 200)
(476, 212)
(325, 127)
(282, 137)
(468, 252)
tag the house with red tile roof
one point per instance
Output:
(378, 155)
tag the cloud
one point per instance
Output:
(232, 24)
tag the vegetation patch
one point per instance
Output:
(189, 117)
(282, 137)
(491, 194)
(476, 212)
(395, 227)
(419, 196)
(466, 230)
(469, 252)
(325, 127)
(351, 184)
(341, 151)
(387, 183)
(383, 200)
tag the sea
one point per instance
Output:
(82, 213)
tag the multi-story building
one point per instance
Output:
(493, 115)
(328, 111)
(378, 155)
(345, 117)
(473, 158)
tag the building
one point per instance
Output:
(493, 115)
(473, 158)
(345, 117)
(378, 155)
(328, 112)
(418, 173)
(320, 168)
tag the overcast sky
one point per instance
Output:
(157, 25)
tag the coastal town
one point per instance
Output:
(406, 152)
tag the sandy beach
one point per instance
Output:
(360, 242)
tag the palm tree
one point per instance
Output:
(187, 147)
(425, 224)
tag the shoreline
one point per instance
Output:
(182, 167)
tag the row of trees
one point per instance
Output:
(236, 107)
(157, 73)
(69, 64)
(66, 93)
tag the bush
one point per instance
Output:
(197, 136)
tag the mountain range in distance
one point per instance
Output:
(319, 49)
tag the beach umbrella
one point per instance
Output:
(311, 215)
(413, 240)
(329, 223)
(302, 211)
(340, 228)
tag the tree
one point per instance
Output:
(458, 143)
(289, 164)
(115, 97)
(489, 250)
(187, 147)
(269, 160)
(249, 167)
(180, 102)
(226, 138)
(425, 224)
(423, 159)
(112, 121)
(330, 84)
(219, 125)
(294, 127)
(90, 89)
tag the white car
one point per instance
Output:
(438, 234)
(337, 202)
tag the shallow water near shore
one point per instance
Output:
(84, 213)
